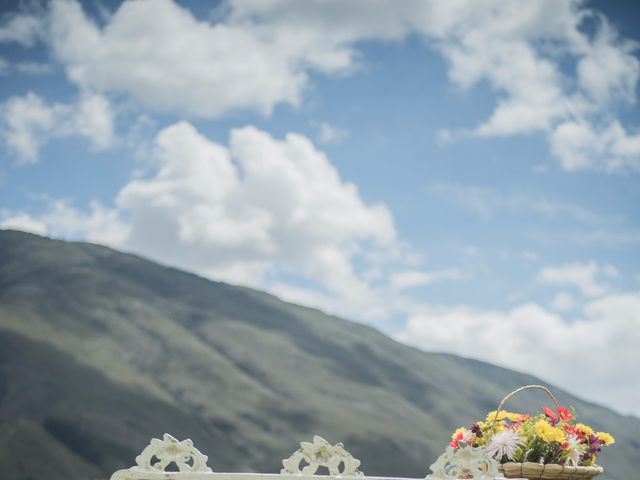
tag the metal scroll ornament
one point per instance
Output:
(161, 453)
(464, 462)
(318, 454)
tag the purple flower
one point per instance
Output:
(595, 440)
(475, 428)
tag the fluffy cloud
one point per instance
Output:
(517, 49)
(495, 43)
(328, 134)
(582, 276)
(580, 145)
(510, 47)
(238, 212)
(22, 28)
(61, 219)
(28, 122)
(609, 70)
(246, 213)
(181, 64)
(593, 354)
(22, 221)
(33, 68)
(259, 54)
(416, 278)
(563, 302)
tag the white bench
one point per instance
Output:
(170, 459)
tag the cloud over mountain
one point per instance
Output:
(258, 55)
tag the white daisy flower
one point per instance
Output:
(504, 443)
(575, 450)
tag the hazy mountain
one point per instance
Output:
(100, 350)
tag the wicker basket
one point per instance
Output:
(549, 471)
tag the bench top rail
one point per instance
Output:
(172, 459)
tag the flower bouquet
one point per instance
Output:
(550, 445)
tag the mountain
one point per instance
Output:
(101, 350)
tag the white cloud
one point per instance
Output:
(247, 213)
(26, 119)
(181, 64)
(580, 145)
(609, 70)
(34, 68)
(593, 353)
(330, 134)
(22, 221)
(416, 278)
(28, 122)
(22, 28)
(25, 68)
(582, 276)
(563, 302)
(242, 211)
(62, 220)
(92, 117)
(259, 54)
(517, 49)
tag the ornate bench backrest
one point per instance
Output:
(185, 461)
(170, 459)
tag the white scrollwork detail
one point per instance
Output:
(464, 462)
(321, 453)
(161, 453)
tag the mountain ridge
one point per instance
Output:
(228, 366)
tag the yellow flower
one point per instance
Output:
(606, 438)
(514, 417)
(549, 433)
(492, 415)
(458, 432)
(586, 429)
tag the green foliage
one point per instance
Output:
(100, 351)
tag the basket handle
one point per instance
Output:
(517, 390)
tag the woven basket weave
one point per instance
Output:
(549, 471)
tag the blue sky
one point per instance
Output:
(460, 175)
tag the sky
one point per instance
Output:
(462, 175)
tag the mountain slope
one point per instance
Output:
(100, 350)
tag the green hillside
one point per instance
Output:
(100, 350)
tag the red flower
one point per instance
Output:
(454, 443)
(549, 413)
(564, 413)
